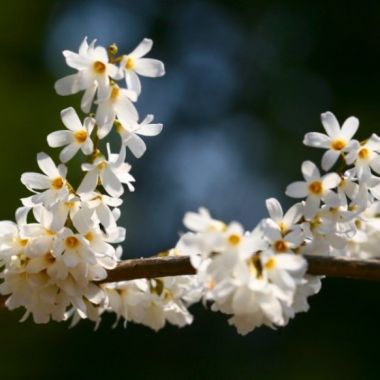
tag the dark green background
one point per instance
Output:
(246, 80)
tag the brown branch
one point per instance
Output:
(341, 267)
(153, 267)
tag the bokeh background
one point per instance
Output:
(245, 81)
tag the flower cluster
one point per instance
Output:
(152, 302)
(57, 255)
(66, 238)
(255, 276)
(259, 277)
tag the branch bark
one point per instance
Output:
(153, 267)
(339, 267)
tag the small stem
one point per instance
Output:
(95, 140)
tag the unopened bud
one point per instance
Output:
(112, 49)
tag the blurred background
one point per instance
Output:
(245, 81)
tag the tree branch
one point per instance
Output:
(153, 267)
(341, 267)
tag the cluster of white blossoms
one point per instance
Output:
(259, 277)
(65, 239)
(55, 258)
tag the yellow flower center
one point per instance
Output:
(115, 92)
(363, 153)
(89, 236)
(80, 135)
(102, 165)
(57, 183)
(316, 188)
(130, 64)
(71, 242)
(49, 232)
(22, 242)
(280, 246)
(119, 128)
(99, 67)
(316, 222)
(234, 239)
(49, 258)
(338, 144)
(270, 264)
(217, 226)
(283, 228)
(69, 204)
(211, 284)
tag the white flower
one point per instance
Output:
(53, 182)
(93, 73)
(337, 140)
(366, 157)
(130, 130)
(74, 249)
(315, 188)
(77, 137)
(280, 242)
(202, 221)
(100, 204)
(111, 173)
(285, 270)
(151, 302)
(117, 103)
(134, 64)
(11, 240)
(285, 222)
(347, 188)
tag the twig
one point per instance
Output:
(153, 267)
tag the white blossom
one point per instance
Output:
(94, 71)
(111, 173)
(53, 181)
(337, 141)
(134, 64)
(117, 103)
(129, 131)
(315, 188)
(76, 138)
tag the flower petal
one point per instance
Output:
(330, 180)
(35, 181)
(89, 182)
(47, 165)
(149, 67)
(311, 207)
(70, 119)
(68, 85)
(149, 129)
(316, 140)
(69, 152)
(297, 190)
(331, 125)
(135, 144)
(142, 48)
(59, 138)
(274, 209)
(310, 171)
(133, 82)
(329, 159)
(111, 183)
(349, 128)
